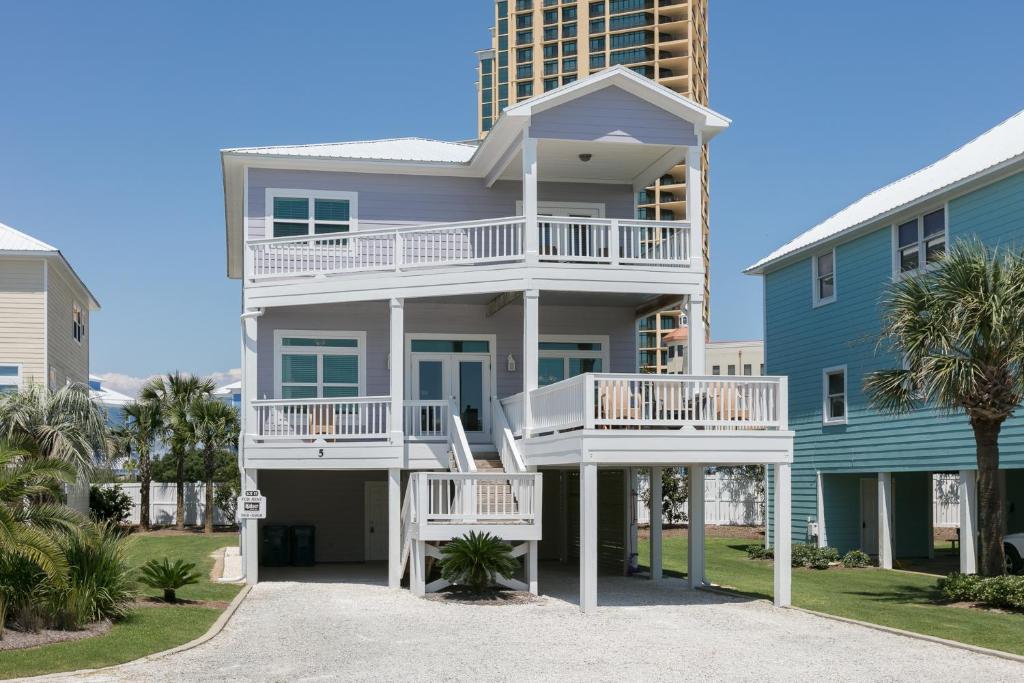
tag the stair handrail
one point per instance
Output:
(501, 433)
(457, 441)
(408, 518)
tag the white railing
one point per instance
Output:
(505, 441)
(426, 420)
(559, 239)
(356, 418)
(659, 401)
(477, 498)
(513, 408)
(458, 444)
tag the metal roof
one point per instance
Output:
(16, 240)
(391, 149)
(990, 150)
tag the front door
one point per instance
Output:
(462, 379)
(869, 516)
(376, 518)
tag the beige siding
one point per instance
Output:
(22, 314)
(68, 358)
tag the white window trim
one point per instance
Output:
(603, 354)
(918, 215)
(360, 351)
(15, 381)
(80, 311)
(815, 292)
(272, 192)
(825, 419)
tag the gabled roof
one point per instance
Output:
(228, 389)
(108, 397)
(987, 153)
(391, 149)
(16, 240)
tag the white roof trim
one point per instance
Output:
(15, 240)
(989, 153)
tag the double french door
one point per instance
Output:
(462, 379)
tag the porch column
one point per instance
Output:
(968, 521)
(531, 349)
(820, 511)
(783, 536)
(531, 567)
(397, 351)
(694, 211)
(885, 512)
(697, 334)
(418, 567)
(394, 527)
(588, 536)
(531, 239)
(632, 528)
(655, 505)
(249, 532)
(695, 543)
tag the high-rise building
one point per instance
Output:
(538, 45)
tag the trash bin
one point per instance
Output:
(303, 542)
(276, 552)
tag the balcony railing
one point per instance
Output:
(328, 419)
(461, 498)
(501, 240)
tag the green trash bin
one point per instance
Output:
(303, 542)
(276, 552)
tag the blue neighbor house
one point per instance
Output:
(862, 479)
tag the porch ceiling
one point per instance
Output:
(550, 298)
(610, 162)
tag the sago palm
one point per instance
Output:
(174, 393)
(959, 333)
(477, 561)
(213, 425)
(143, 425)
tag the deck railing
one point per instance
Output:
(328, 419)
(476, 498)
(426, 420)
(513, 407)
(498, 240)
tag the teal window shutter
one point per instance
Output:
(341, 369)
(291, 208)
(331, 210)
(298, 369)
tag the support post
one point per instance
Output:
(968, 521)
(632, 529)
(394, 527)
(250, 537)
(563, 527)
(885, 512)
(694, 212)
(783, 536)
(695, 543)
(397, 351)
(531, 351)
(655, 505)
(249, 529)
(820, 513)
(531, 568)
(418, 567)
(531, 241)
(697, 335)
(588, 536)
(931, 516)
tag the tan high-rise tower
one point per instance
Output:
(538, 45)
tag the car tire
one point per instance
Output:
(1014, 563)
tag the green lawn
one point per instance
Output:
(148, 629)
(889, 598)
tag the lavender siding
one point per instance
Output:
(388, 200)
(616, 322)
(612, 115)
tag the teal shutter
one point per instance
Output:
(341, 369)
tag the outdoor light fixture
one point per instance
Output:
(586, 156)
(510, 363)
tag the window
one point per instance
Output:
(834, 395)
(551, 33)
(716, 369)
(569, 64)
(550, 16)
(597, 61)
(565, 357)
(748, 369)
(824, 267)
(550, 50)
(524, 71)
(524, 54)
(524, 20)
(312, 364)
(597, 44)
(732, 370)
(597, 26)
(566, 80)
(10, 378)
(297, 212)
(596, 9)
(569, 47)
(569, 31)
(569, 13)
(550, 84)
(920, 242)
(524, 37)
(524, 89)
(77, 323)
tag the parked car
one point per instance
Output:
(1013, 546)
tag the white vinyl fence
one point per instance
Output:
(163, 503)
(946, 500)
(728, 499)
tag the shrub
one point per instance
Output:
(169, 577)
(996, 591)
(476, 561)
(760, 552)
(856, 558)
(225, 497)
(807, 555)
(959, 587)
(23, 586)
(109, 504)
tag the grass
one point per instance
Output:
(890, 598)
(148, 629)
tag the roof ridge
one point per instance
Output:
(353, 142)
(44, 246)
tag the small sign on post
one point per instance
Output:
(251, 506)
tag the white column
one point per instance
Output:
(697, 335)
(588, 536)
(531, 567)
(532, 238)
(783, 536)
(694, 199)
(655, 505)
(931, 516)
(885, 518)
(563, 528)
(531, 349)
(969, 521)
(397, 351)
(633, 552)
(417, 568)
(822, 539)
(695, 543)
(249, 531)
(394, 527)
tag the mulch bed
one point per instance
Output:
(493, 597)
(158, 602)
(19, 640)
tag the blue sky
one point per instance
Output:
(112, 115)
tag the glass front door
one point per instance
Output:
(463, 379)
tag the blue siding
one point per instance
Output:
(802, 340)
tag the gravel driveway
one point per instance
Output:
(322, 630)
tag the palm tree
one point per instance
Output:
(958, 330)
(143, 425)
(28, 522)
(214, 426)
(174, 393)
